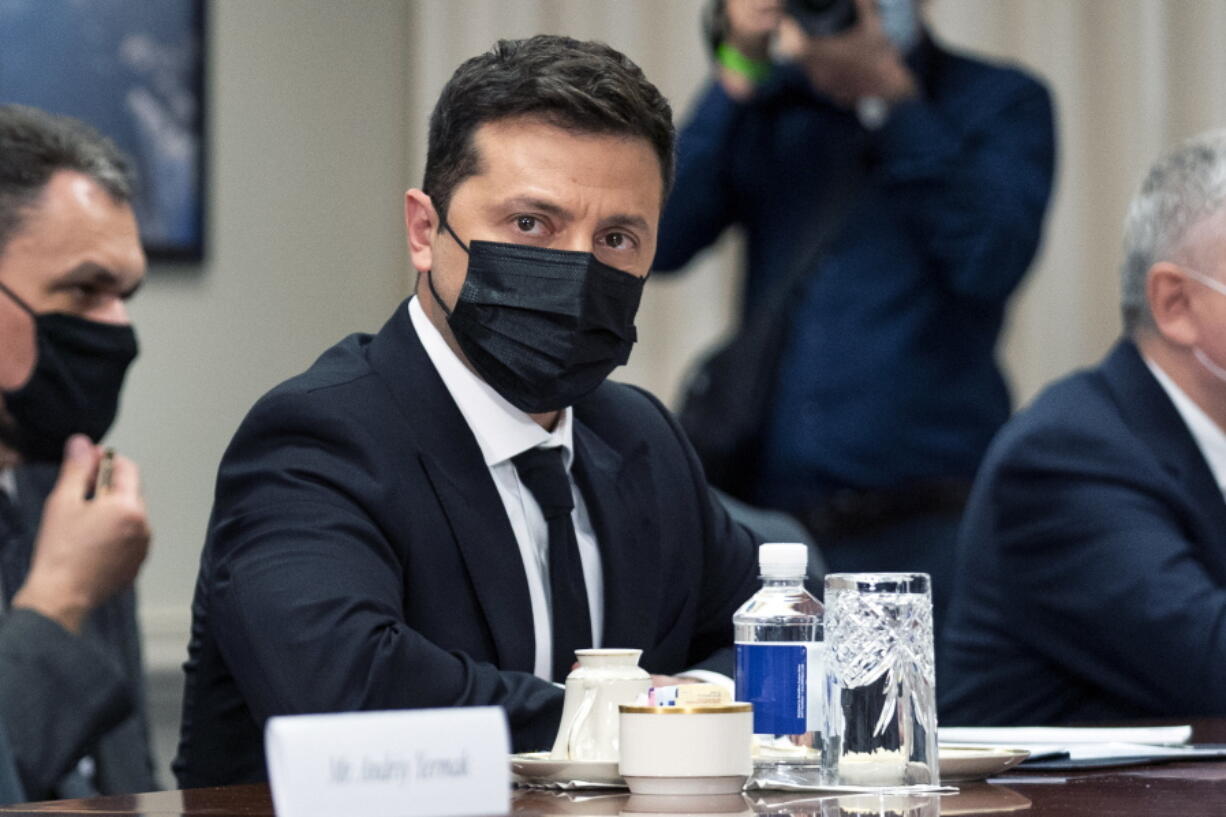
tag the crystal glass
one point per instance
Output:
(881, 727)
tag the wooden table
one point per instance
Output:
(1188, 789)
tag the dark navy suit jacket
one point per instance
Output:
(359, 557)
(1093, 563)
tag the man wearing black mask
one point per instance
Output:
(71, 542)
(440, 514)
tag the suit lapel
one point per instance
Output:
(452, 460)
(618, 494)
(481, 529)
(1155, 419)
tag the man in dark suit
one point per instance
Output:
(71, 543)
(1093, 559)
(439, 514)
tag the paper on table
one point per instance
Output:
(1098, 751)
(1065, 736)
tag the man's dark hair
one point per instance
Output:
(585, 87)
(35, 144)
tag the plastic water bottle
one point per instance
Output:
(780, 665)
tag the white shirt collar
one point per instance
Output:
(8, 483)
(1210, 437)
(502, 431)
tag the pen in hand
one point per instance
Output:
(106, 469)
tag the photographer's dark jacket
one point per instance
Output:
(889, 375)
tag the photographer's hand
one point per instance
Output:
(750, 26)
(861, 63)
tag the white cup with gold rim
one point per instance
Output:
(686, 749)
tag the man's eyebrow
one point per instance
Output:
(625, 220)
(530, 203)
(89, 272)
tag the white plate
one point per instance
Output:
(963, 763)
(958, 763)
(539, 769)
(667, 786)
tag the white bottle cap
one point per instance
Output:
(783, 560)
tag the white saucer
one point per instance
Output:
(539, 769)
(730, 784)
(963, 763)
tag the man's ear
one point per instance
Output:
(1166, 289)
(420, 226)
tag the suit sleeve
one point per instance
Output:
(729, 560)
(1106, 579)
(58, 693)
(976, 192)
(307, 595)
(701, 203)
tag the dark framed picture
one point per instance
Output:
(134, 69)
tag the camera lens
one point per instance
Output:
(822, 18)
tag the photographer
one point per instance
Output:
(907, 186)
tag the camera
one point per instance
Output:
(822, 18)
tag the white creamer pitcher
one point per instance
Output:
(604, 679)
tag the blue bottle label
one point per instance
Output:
(783, 682)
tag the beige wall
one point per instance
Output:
(1130, 77)
(307, 160)
(317, 115)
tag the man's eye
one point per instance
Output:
(618, 241)
(526, 223)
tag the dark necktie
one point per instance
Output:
(544, 474)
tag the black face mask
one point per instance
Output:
(74, 388)
(543, 327)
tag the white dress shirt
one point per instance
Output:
(1209, 436)
(503, 431)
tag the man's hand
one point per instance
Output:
(859, 63)
(87, 549)
(750, 24)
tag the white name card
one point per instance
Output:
(410, 763)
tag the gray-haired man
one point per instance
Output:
(71, 541)
(1093, 554)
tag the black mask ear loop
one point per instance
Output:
(430, 277)
(9, 436)
(18, 301)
